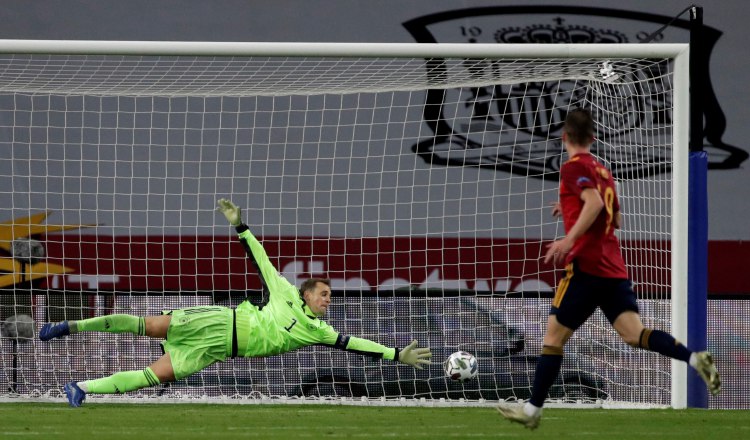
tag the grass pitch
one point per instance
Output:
(208, 422)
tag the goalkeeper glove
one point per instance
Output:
(416, 357)
(230, 211)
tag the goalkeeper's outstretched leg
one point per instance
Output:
(152, 326)
(158, 372)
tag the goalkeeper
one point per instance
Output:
(197, 337)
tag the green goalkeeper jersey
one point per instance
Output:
(285, 323)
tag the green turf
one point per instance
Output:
(208, 422)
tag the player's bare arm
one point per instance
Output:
(592, 206)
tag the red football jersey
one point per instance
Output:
(597, 251)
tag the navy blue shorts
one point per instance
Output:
(579, 294)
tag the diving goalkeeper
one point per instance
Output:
(197, 337)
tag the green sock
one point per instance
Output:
(111, 324)
(121, 382)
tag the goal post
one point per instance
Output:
(416, 176)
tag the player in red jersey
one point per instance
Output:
(595, 272)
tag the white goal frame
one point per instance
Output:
(679, 53)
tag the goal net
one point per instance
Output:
(418, 178)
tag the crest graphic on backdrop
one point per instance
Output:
(475, 139)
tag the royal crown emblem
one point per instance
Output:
(470, 124)
(558, 32)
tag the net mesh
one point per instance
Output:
(420, 187)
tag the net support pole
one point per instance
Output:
(697, 395)
(680, 190)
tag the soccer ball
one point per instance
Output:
(461, 366)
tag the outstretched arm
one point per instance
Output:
(410, 355)
(269, 277)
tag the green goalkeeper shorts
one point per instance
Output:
(198, 337)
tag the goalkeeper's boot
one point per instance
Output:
(76, 396)
(516, 413)
(704, 365)
(52, 330)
